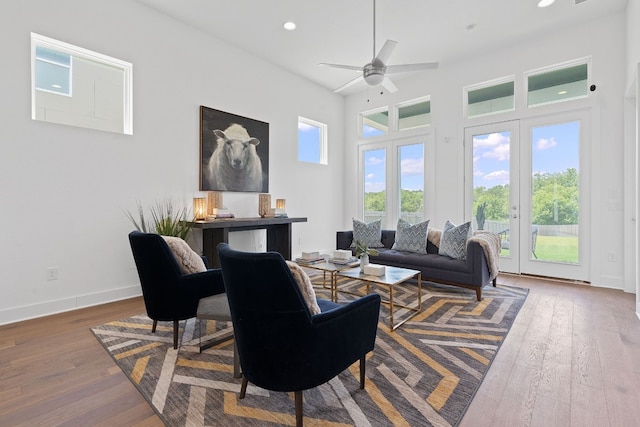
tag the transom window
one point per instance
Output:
(375, 122)
(414, 114)
(558, 83)
(492, 97)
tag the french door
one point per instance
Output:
(526, 181)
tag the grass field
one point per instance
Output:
(555, 249)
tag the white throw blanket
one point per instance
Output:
(490, 243)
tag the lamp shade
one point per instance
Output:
(199, 208)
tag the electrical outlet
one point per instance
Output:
(612, 257)
(52, 273)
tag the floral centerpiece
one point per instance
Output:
(363, 251)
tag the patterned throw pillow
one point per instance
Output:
(189, 261)
(453, 242)
(412, 238)
(367, 234)
(306, 288)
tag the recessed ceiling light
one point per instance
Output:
(57, 86)
(562, 92)
(289, 26)
(545, 3)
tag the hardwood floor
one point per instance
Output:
(572, 358)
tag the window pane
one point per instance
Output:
(375, 123)
(411, 168)
(491, 191)
(309, 142)
(375, 202)
(555, 192)
(53, 77)
(558, 85)
(491, 99)
(414, 116)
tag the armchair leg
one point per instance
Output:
(362, 372)
(298, 399)
(153, 327)
(243, 387)
(176, 325)
(479, 294)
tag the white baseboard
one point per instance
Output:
(18, 314)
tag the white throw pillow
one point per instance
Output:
(306, 288)
(189, 261)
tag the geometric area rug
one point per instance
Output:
(425, 373)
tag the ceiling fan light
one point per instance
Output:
(374, 79)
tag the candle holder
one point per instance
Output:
(214, 201)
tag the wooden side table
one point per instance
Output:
(216, 307)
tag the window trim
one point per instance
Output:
(390, 125)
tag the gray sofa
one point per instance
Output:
(472, 272)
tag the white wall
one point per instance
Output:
(63, 189)
(598, 39)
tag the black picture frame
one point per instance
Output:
(234, 166)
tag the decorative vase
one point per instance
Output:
(364, 260)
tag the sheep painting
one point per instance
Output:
(234, 164)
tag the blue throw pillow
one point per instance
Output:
(411, 238)
(368, 234)
(453, 242)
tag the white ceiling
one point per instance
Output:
(341, 31)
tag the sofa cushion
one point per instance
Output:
(411, 238)
(368, 234)
(453, 242)
(189, 261)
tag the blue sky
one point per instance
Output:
(555, 149)
(308, 143)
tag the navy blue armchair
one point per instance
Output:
(282, 347)
(169, 295)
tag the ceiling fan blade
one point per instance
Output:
(403, 68)
(385, 53)
(350, 83)
(344, 67)
(388, 85)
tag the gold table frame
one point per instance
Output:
(332, 269)
(393, 276)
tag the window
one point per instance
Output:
(490, 97)
(53, 71)
(312, 141)
(78, 87)
(375, 122)
(414, 114)
(375, 184)
(558, 83)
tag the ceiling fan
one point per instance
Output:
(373, 73)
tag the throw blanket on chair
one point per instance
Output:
(490, 243)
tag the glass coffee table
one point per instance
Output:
(393, 276)
(331, 269)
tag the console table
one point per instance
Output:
(217, 231)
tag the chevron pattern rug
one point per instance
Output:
(423, 374)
